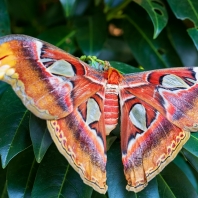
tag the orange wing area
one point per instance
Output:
(149, 142)
(31, 67)
(81, 138)
(68, 93)
(162, 108)
(173, 92)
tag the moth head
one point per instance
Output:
(113, 76)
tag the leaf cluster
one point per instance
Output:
(148, 34)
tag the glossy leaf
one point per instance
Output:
(193, 32)
(164, 189)
(112, 52)
(14, 132)
(193, 160)
(40, 137)
(98, 195)
(157, 12)
(3, 87)
(3, 183)
(110, 140)
(115, 175)
(61, 37)
(192, 143)
(72, 26)
(182, 43)
(150, 54)
(177, 181)
(187, 170)
(125, 68)
(112, 3)
(56, 178)
(5, 21)
(22, 10)
(151, 190)
(188, 9)
(21, 174)
(74, 7)
(91, 36)
(185, 10)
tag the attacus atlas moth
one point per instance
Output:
(82, 104)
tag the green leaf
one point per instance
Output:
(97, 195)
(3, 87)
(3, 183)
(5, 21)
(151, 190)
(40, 137)
(74, 7)
(56, 178)
(125, 68)
(21, 174)
(112, 3)
(91, 36)
(191, 144)
(164, 189)
(81, 26)
(182, 43)
(115, 175)
(193, 32)
(177, 182)
(27, 9)
(150, 54)
(187, 10)
(110, 140)
(187, 169)
(60, 36)
(111, 51)
(157, 12)
(14, 132)
(193, 160)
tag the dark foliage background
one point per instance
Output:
(147, 34)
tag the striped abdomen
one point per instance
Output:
(111, 107)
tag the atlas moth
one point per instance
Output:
(82, 104)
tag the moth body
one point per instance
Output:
(111, 107)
